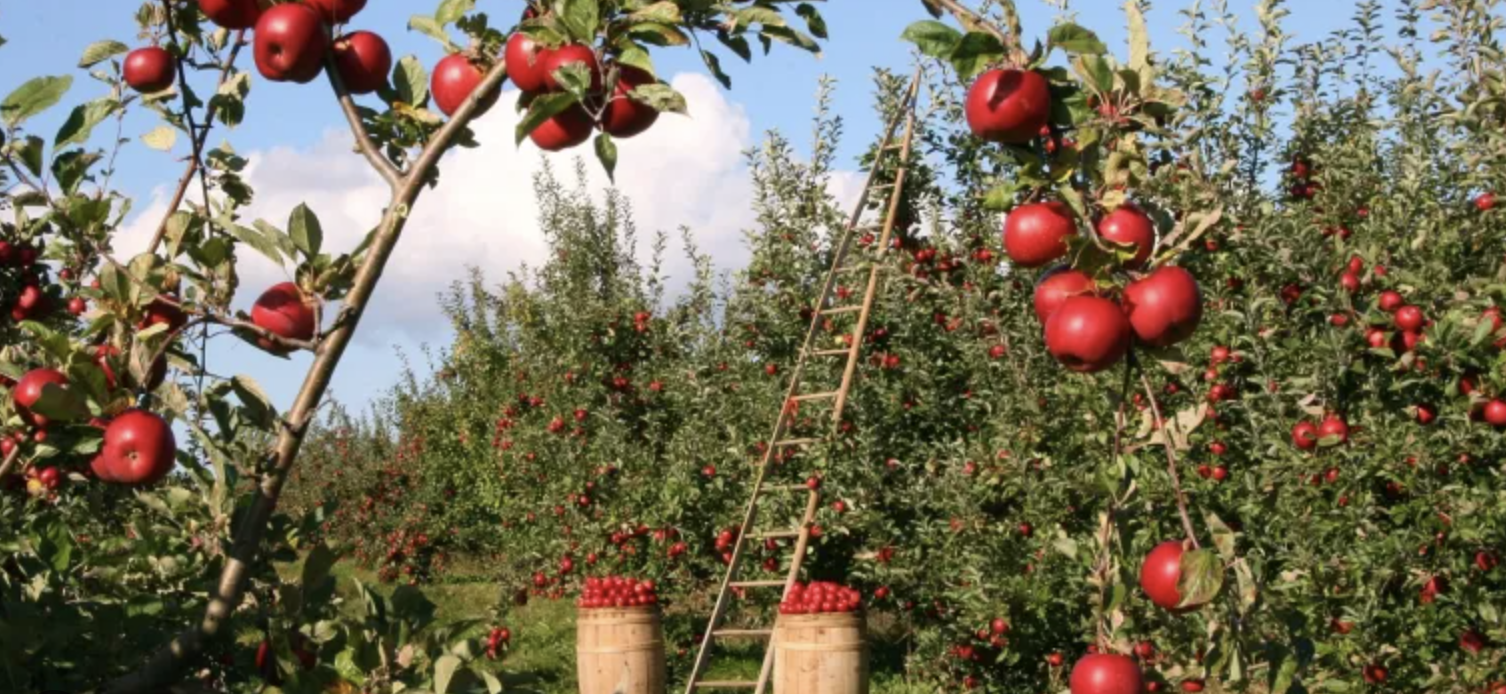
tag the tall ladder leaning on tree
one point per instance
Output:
(895, 146)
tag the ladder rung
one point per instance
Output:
(758, 584)
(815, 396)
(797, 442)
(896, 145)
(778, 534)
(882, 186)
(832, 352)
(743, 633)
(854, 268)
(841, 309)
(726, 684)
(786, 488)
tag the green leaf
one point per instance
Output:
(316, 566)
(255, 239)
(61, 404)
(664, 12)
(431, 28)
(1074, 39)
(100, 51)
(444, 671)
(933, 38)
(661, 97)
(543, 108)
(813, 19)
(1202, 577)
(581, 18)
(70, 168)
(254, 400)
(1223, 537)
(30, 151)
(737, 44)
(411, 81)
(1095, 71)
(575, 78)
(974, 53)
(33, 97)
(161, 138)
(80, 123)
(451, 10)
(606, 151)
(792, 37)
(657, 34)
(305, 230)
(714, 64)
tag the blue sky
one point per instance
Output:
(286, 121)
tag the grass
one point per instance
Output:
(542, 657)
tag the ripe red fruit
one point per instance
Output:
(1389, 301)
(564, 130)
(1350, 282)
(285, 312)
(1495, 413)
(1409, 318)
(149, 70)
(139, 449)
(1008, 106)
(1471, 641)
(28, 391)
(1305, 436)
(1088, 334)
(623, 116)
(1426, 413)
(1486, 202)
(552, 60)
(1160, 574)
(1129, 225)
(290, 43)
(455, 77)
(1374, 674)
(1036, 234)
(1334, 425)
(525, 62)
(77, 306)
(1165, 307)
(1486, 561)
(1101, 673)
(337, 11)
(1192, 685)
(363, 60)
(1145, 650)
(1055, 287)
(232, 14)
(998, 626)
(163, 310)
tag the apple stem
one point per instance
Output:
(165, 665)
(1171, 460)
(197, 135)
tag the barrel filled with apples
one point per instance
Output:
(619, 637)
(820, 641)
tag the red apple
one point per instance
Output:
(363, 60)
(1165, 307)
(139, 449)
(1008, 106)
(564, 130)
(1161, 573)
(1036, 234)
(1350, 282)
(623, 116)
(1389, 301)
(1088, 334)
(163, 310)
(1409, 318)
(1103, 673)
(149, 70)
(1058, 285)
(553, 59)
(283, 311)
(1334, 425)
(336, 11)
(1495, 413)
(232, 14)
(455, 77)
(1486, 202)
(525, 62)
(1129, 225)
(290, 43)
(28, 391)
(105, 354)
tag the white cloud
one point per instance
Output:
(684, 171)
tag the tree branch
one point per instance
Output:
(971, 19)
(383, 166)
(10, 461)
(1171, 462)
(165, 666)
(198, 136)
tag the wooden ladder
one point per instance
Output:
(893, 147)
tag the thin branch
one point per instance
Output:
(969, 18)
(383, 166)
(10, 461)
(198, 136)
(1171, 461)
(165, 665)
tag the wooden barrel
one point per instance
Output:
(620, 650)
(820, 654)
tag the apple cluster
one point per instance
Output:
(496, 640)
(533, 67)
(820, 597)
(139, 447)
(617, 592)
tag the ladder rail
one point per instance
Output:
(792, 397)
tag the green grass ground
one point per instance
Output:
(542, 657)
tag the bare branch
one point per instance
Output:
(1171, 462)
(388, 172)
